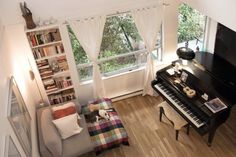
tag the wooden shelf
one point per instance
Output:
(57, 74)
(47, 44)
(61, 73)
(42, 28)
(59, 90)
(52, 56)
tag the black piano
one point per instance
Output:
(206, 74)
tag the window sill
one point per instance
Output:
(157, 66)
(115, 75)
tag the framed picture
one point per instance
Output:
(19, 117)
(10, 148)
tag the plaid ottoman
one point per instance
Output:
(106, 134)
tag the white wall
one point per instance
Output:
(13, 59)
(219, 10)
(62, 9)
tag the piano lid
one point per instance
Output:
(216, 74)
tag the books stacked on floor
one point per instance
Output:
(63, 82)
(43, 37)
(62, 97)
(62, 63)
(48, 51)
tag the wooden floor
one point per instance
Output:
(150, 138)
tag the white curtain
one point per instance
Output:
(148, 22)
(89, 33)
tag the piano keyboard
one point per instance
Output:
(180, 105)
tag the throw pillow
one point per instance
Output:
(64, 110)
(67, 126)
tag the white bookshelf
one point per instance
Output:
(51, 60)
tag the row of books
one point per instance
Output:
(48, 51)
(43, 63)
(49, 84)
(63, 82)
(52, 85)
(43, 37)
(47, 68)
(61, 97)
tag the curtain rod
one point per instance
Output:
(123, 12)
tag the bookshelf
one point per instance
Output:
(52, 65)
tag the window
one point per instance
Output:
(191, 27)
(122, 48)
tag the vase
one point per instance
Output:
(29, 21)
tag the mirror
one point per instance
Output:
(19, 117)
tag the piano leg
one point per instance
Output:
(211, 136)
(176, 135)
(161, 113)
(188, 127)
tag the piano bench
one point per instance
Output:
(176, 120)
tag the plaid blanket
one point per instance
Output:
(107, 134)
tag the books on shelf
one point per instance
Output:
(49, 54)
(43, 37)
(62, 97)
(215, 105)
(48, 51)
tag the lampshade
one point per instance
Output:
(185, 53)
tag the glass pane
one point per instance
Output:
(118, 64)
(85, 73)
(191, 27)
(120, 36)
(78, 51)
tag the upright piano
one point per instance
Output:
(211, 77)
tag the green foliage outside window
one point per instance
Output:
(119, 36)
(191, 24)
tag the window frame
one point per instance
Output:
(126, 69)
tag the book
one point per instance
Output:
(215, 105)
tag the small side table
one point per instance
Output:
(176, 120)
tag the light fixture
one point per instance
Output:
(185, 54)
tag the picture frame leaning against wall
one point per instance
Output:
(19, 117)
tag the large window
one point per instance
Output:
(191, 27)
(121, 50)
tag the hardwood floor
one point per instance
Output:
(150, 138)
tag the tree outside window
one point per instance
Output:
(121, 49)
(191, 27)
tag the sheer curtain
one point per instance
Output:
(89, 33)
(148, 22)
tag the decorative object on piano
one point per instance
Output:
(205, 96)
(215, 105)
(184, 76)
(189, 92)
(177, 67)
(170, 71)
(185, 52)
(26, 13)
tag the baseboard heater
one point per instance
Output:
(128, 95)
